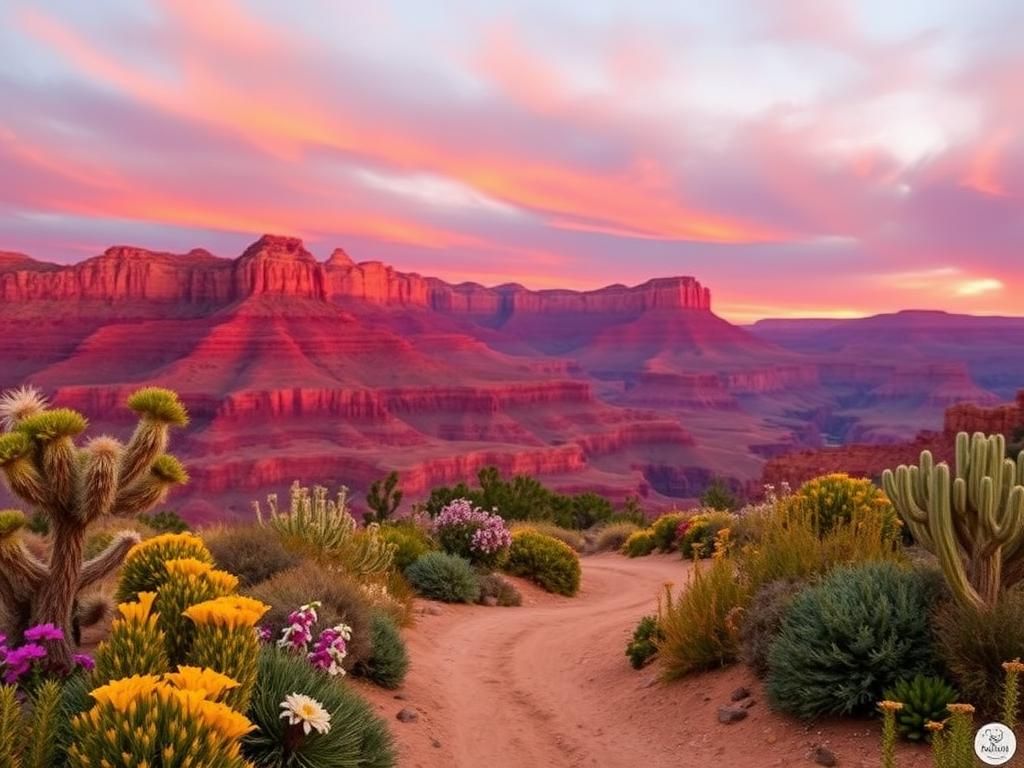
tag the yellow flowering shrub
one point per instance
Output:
(144, 568)
(837, 497)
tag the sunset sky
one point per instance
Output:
(800, 158)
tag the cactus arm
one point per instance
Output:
(109, 560)
(100, 477)
(159, 410)
(947, 549)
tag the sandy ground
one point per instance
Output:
(548, 685)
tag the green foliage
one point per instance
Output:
(52, 424)
(144, 569)
(160, 405)
(612, 536)
(700, 531)
(502, 590)
(719, 496)
(165, 521)
(847, 639)
(357, 738)
(924, 698)
(549, 562)
(251, 552)
(409, 540)
(11, 520)
(11, 732)
(974, 643)
(639, 543)
(169, 469)
(630, 512)
(762, 621)
(136, 645)
(45, 723)
(837, 497)
(39, 523)
(389, 661)
(444, 577)
(643, 646)
(663, 530)
(700, 627)
(383, 498)
(573, 538)
(342, 600)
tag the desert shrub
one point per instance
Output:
(102, 532)
(251, 552)
(356, 737)
(165, 521)
(974, 643)
(700, 626)
(409, 541)
(444, 577)
(639, 543)
(643, 645)
(143, 569)
(574, 539)
(762, 621)
(549, 562)
(342, 601)
(472, 533)
(502, 590)
(611, 537)
(389, 661)
(848, 638)
(391, 595)
(719, 496)
(837, 497)
(696, 535)
(924, 699)
(664, 530)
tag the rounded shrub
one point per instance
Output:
(838, 497)
(924, 699)
(848, 638)
(501, 591)
(409, 540)
(143, 569)
(251, 552)
(574, 539)
(762, 621)
(444, 577)
(638, 543)
(643, 646)
(663, 530)
(389, 661)
(479, 536)
(549, 562)
(612, 536)
(697, 533)
(342, 601)
(356, 736)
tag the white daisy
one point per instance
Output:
(19, 404)
(307, 712)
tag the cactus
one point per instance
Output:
(973, 522)
(72, 487)
(383, 498)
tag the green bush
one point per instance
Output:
(643, 646)
(409, 540)
(342, 600)
(165, 521)
(837, 497)
(503, 591)
(251, 552)
(762, 622)
(664, 530)
(574, 539)
(847, 639)
(700, 627)
(356, 737)
(924, 699)
(698, 532)
(639, 543)
(549, 562)
(974, 644)
(444, 577)
(389, 661)
(719, 496)
(612, 537)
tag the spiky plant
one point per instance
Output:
(145, 566)
(189, 581)
(44, 725)
(136, 645)
(383, 498)
(72, 487)
(10, 727)
(924, 699)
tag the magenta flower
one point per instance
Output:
(44, 632)
(19, 661)
(84, 661)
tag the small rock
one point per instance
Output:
(824, 756)
(400, 696)
(730, 715)
(434, 610)
(748, 703)
(707, 698)
(490, 601)
(406, 715)
(740, 693)
(435, 743)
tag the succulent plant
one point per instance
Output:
(925, 699)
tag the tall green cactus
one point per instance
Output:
(973, 522)
(73, 487)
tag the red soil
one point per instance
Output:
(547, 685)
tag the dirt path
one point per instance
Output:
(547, 685)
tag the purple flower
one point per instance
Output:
(84, 661)
(43, 632)
(19, 661)
(264, 633)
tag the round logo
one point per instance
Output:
(995, 744)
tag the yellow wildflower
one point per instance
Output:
(140, 610)
(120, 694)
(933, 726)
(187, 566)
(222, 580)
(890, 706)
(961, 709)
(204, 680)
(233, 611)
(1013, 666)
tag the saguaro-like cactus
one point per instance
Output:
(74, 486)
(973, 522)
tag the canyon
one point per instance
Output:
(337, 372)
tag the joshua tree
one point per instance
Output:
(973, 522)
(383, 498)
(72, 487)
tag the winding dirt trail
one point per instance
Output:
(546, 685)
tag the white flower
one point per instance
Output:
(18, 404)
(308, 712)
